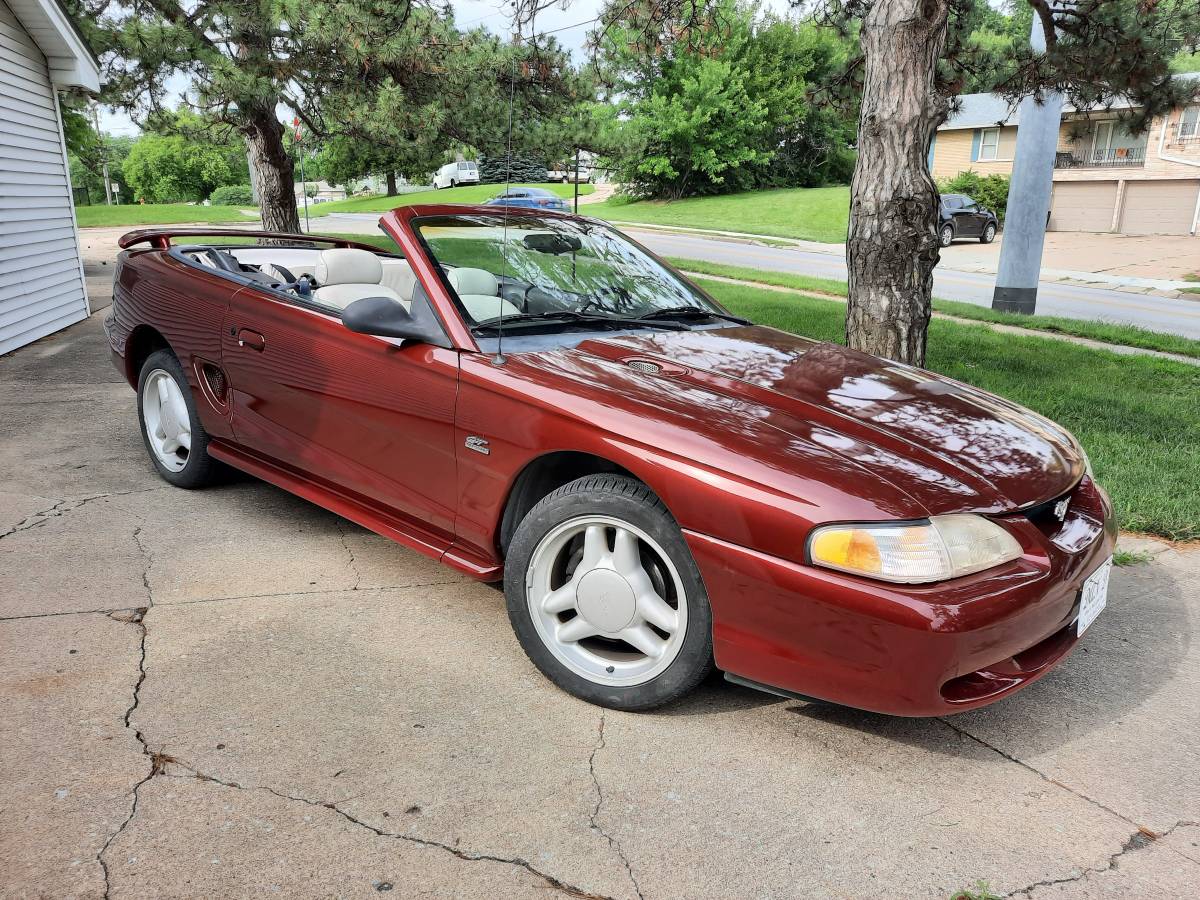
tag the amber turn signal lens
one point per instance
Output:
(914, 553)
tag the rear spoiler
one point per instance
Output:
(160, 238)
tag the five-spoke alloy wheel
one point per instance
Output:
(605, 597)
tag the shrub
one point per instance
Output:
(232, 195)
(990, 190)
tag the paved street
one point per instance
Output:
(231, 692)
(1157, 313)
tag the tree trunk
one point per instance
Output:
(274, 172)
(892, 246)
(391, 184)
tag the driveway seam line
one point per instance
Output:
(613, 843)
(1042, 775)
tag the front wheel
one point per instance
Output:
(946, 236)
(989, 234)
(605, 598)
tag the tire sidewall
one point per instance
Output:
(989, 233)
(943, 239)
(198, 467)
(631, 502)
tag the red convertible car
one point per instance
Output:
(662, 486)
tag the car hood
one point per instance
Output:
(784, 404)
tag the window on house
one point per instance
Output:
(1189, 122)
(989, 144)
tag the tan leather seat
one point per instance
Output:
(479, 291)
(346, 274)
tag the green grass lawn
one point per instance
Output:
(157, 214)
(811, 214)
(1111, 333)
(1138, 417)
(471, 193)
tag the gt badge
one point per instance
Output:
(478, 444)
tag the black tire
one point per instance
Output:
(200, 469)
(630, 500)
(946, 236)
(989, 234)
(453, 183)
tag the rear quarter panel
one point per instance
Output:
(185, 305)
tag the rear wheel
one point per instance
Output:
(605, 597)
(946, 235)
(174, 437)
(989, 233)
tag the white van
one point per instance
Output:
(456, 173)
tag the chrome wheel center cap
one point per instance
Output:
(606, 600)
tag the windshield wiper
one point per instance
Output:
(567, 315)
(691, 312)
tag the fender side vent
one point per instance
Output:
(216, 381)
(644, 366)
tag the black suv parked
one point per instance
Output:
(961, 217)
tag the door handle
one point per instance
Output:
(251, 339)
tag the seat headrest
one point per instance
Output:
(342, 265)
(465, 280)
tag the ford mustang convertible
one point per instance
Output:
(662, 486)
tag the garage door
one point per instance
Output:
(41, 286)
(1083, 206)
(1159, 207)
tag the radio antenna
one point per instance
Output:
(499, 359)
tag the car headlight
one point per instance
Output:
(941, 548)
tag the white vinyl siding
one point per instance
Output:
(41, 283)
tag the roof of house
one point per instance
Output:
(989, 110)
(69, 59)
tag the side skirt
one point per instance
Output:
(356, 511)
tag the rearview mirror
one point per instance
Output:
(542, 242)
(385, 317)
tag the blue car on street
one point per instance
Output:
(530, 198)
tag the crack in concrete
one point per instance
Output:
(1143, 837)
(63, 506)
(158, 761)
(613, 843)
(1054, 781)
(353, 562)
(465, 855)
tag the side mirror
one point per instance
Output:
(384, 317)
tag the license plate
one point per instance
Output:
(1093, 596)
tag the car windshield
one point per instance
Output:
(556, 273)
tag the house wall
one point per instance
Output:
(41, 279)
(953, 151)
(1155, 166)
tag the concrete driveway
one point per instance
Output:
(232, 692)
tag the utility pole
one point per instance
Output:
(103, 154)
(1028, 195)
(576, 181)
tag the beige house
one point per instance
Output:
(1105, 178)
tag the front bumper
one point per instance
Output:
(905, 649)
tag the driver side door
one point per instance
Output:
(358, 414)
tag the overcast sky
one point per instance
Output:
(570, 26)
